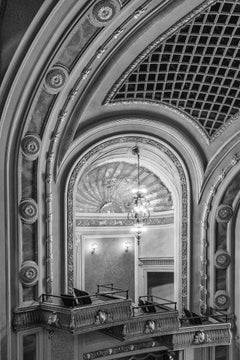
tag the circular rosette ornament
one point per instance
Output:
(103, 12)
(55, 79)
(28, 211)
(31, 144)
(222, 259)
(224, 213)
(222, 300)
(29, 273)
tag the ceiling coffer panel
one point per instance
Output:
(197, 69)
(109, 189)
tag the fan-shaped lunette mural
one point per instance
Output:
(109, 189)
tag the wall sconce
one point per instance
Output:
(127, 245)
(93, 248)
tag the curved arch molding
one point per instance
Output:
(218, 215)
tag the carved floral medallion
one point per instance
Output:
(103, 12)
(224, 213)
(55, 79)
(28, 211)
(31, 144)
(222, 259)
(222, 299)
(29, 273)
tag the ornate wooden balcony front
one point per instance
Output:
(101, 310)
(153, 319)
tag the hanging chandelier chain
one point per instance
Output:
(140, 211)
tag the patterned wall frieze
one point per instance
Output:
(29, 273)
(28, 211)
(223, 215)
(160, 261)
(184, 210)
(80, 222)
(128, 349)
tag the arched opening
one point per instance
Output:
(100, 233)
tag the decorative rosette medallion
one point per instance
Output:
(222, 299)
(31, 145)
(55, 79)
(103, 12)
(29, 273)
(224, 213)
(222, 259)
(28, 211)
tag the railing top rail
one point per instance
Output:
(111, 291)
(153, 297)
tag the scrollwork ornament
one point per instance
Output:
(55, 79)
(222, 259)
(29, 273)
(224, 213)
(28, 210)
(103, 12)
(31, 145)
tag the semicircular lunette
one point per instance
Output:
(109, 189)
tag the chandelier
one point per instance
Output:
(140, 207)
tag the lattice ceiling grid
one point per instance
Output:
(197, 69)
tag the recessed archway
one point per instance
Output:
(165, 163)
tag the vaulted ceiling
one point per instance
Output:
(175, 63)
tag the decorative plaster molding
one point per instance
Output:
(55, 79)
(29, 273)
(103, 12)
(205, 218)
(224, 213)
(168, 107)
(222, 259)
(120, 222)
(183, 258)
(28, 210)
(222, 299)
(31, 145)
(160, 261)
(122, 349)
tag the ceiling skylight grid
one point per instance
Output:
(197, 69)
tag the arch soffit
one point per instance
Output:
(180, 145)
